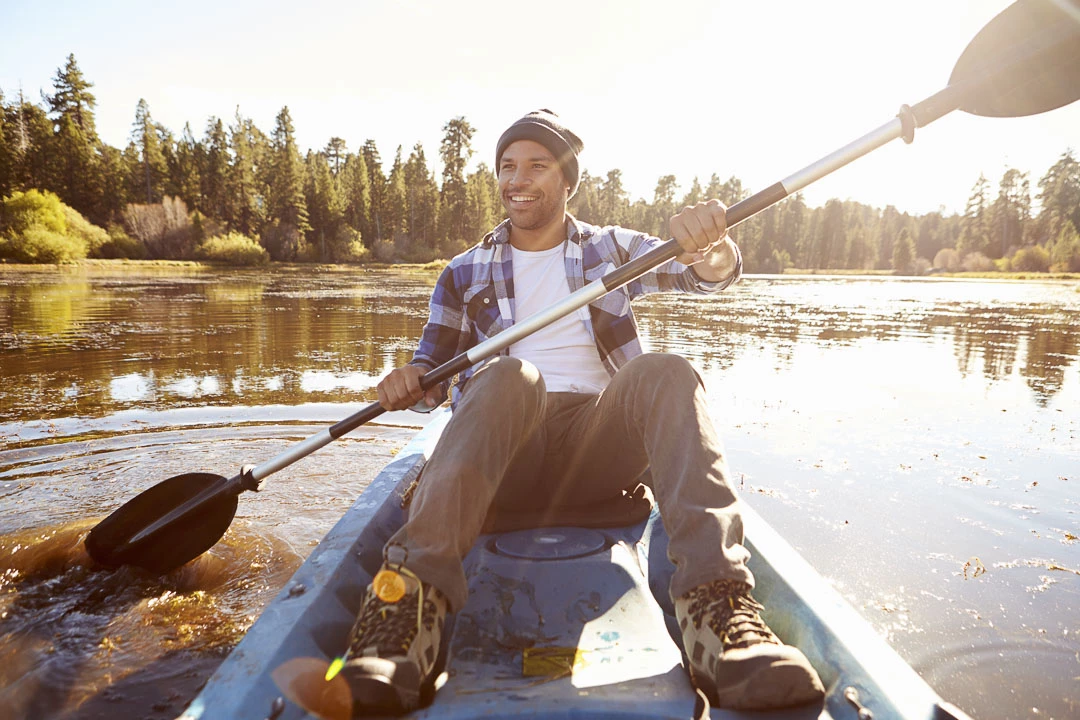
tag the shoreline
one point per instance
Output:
(437, 265)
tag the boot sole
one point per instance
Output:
(759, 691)
(375, 693)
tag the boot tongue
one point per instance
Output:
(389, 585)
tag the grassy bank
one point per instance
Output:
(135, 266)
(988, 275)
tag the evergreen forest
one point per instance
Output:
(231, 192)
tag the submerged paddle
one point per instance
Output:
(1023, 62)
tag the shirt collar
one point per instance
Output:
(576, 232)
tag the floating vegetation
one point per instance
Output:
(975, 565)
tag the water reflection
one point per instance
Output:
(91, 344)
(1035, 325)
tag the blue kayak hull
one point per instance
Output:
(595, 600)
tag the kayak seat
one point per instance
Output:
(630, 507)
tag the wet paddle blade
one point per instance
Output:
(1025, 61)
(303, 681)
(174, 544)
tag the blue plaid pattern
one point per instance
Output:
(473, 299)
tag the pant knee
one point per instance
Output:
(509, 378)
(667, 369)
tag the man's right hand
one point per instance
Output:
(400, 390)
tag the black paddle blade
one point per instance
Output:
(1026, 60)
(175, 543)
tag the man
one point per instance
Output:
(573, 413)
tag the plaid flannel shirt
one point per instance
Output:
(473, 299)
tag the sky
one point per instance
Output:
(757, 89)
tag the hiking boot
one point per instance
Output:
(394, 645)
(734, 657)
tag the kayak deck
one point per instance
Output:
(560, 623)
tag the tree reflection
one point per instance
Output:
(93, 345)
(80, 344)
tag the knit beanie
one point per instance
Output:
(544, 127)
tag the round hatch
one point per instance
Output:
(554, 543)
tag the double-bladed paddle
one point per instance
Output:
(1023, 62)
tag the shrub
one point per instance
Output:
(348, 247)
(91, 235)
(977, 262)
(36, 227)
(164, 229)
(1033, 258)
(283, 241)
(233, 249)
(1065, 250)
(947, 259)
(385, 251)
(24, 210)
(40, 245)
(121, 245)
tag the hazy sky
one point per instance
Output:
(755, 89)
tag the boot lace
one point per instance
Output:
(728, 609)
(391, 627)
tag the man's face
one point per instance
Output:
(532, 185)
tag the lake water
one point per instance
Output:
(915, 439)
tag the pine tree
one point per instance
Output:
(336, 152)
(247, 196)
(73, 156)
(1064, 250)
(152, 169)
(373, 231)
(6, 156)
(831, 237)
(213, 167)
(355, 191)
(888, 229)
(974, 233)
(694, 195)
(455, 151)
(903, 255)
(327, 210)
(184, 180)
(1059, 197)
(1009, 214)
(29, 136)
(585, 205)
(72, 98)
(614, 202)
(422, 201)
(113, 195)
(482, 190)
(663, 206)
(793, 223)
(286, 180)
(396, 205)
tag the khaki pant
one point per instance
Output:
(513, 444)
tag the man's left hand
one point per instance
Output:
(701, 231)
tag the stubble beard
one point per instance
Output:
(542, 214)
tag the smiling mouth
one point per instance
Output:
(522, 198)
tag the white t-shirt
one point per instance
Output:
(564, 351)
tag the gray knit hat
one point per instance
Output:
(544, 127)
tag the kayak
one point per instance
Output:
(561, 622)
